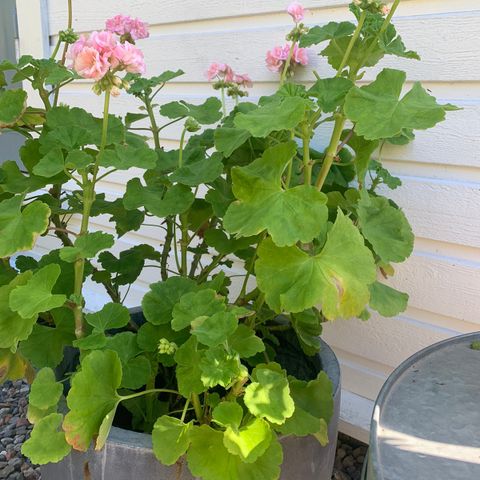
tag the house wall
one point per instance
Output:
(440, 170)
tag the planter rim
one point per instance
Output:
(411, 364)
(143, 441)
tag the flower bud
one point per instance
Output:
(191, 125)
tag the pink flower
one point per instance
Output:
(300, 55)
(243, 80)
(125, 25)
(277, 57)
(296, 11)
(221, 70)
(89, 63)
(129, 58)
(385, 10)
(102, 41)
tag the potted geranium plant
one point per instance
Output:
(221, 376)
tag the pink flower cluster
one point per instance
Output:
(277, 57)
(222, 71)
(125, 25)
(95, 55)
(296, 11)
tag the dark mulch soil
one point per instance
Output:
(15, 429)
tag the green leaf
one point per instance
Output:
(313, 408)
(250, 441)
(13, 366)
(13, 104)
(220, 196)
(158, 303)
(188, 371)
(378, 111)
(391, 43)
(123, 157)
(47, 442)
(330, 31)
(227, 140)
(220, 368)
(384, 175)
(92, 397)
(14, 328)
(308, 327)
(174, 201)
(36, 295)
(87, 246)
(385, 227)
(170, 438)
(268, 396)
(214, 330)
(44, 347)
(112, 315)
(245, 342)
(387, 301)
(78, 160)
(19, 228)
(228, 414)
(198, 170)
(337, 277)
(330, 92)
(192, 305)
(51, 164)
(45, 391)
(205, 114)
(363, 153)
(207, 443)
(285, 114)
(289, 216)
(136, 372)
(94, 341)
(139, 85)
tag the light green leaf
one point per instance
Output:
(123, 157)
(13, 366)
(188, 371)
(174, 201)
(385, 227)
(220, 368)
(289, 216)
(387, 301)
(207, 443)
(391, 43)
(95, 341)
(378, 111)
(227, 140)
(205, 114)
(45, 391)
(158, 303)
(215, 329)
(14, 327)
(47, 442)
(308, 327)
(78, 160)
(268, 396)
(92, 397)
(245, 342)
(136, 372)
(112, 315)
(363, 153)
(219, 240)
(36, 295)
(330, 92)
(87, 246)
(13, 104)
(228, 414)
(51, 164)
(19, 228)
(337, 278)
(313, 408)
(283, 115)
(196, 304)
(170, 438)
(330, 31)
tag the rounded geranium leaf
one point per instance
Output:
(12, 105)
(170, 439)
(386, 300)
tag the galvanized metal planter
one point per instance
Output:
(128, 455)
(426, 421)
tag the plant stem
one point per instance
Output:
(197, 406)
(185, 410)
(331, 150)
(183, 217)
(153, 121)
(307, 164)
(224, 106)
(147, 392)
(166, 249)
(287, 64)
(65, 47)
(55, 50)
(353, 40)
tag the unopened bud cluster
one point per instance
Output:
(374, 6)
(191, 125)
(166, 347)
(68, 36)
(111, 83)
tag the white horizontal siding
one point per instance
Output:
(440, 170)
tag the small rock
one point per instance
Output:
(6, 441)
(339, 475)
(341, 453)
(359, 451)
(7, 471)
(348, 461)
(360, 459)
